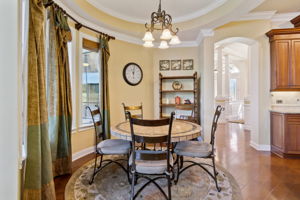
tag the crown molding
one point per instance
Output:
(258, 15)
(207, 32)
(184, 18)
(81, 16)
(270, 15)
(284, 17)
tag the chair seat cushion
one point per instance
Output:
(113, 147)
(151, 166)
(193, 149)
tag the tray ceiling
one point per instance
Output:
(139, 11)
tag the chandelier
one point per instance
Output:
(161, 21)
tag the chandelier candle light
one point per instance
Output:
(160, 20)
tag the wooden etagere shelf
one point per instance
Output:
(165, 91)
(193, 92)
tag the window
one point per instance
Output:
(233, 91)
(90, 80)
(24, 62)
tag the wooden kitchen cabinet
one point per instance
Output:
(285, 134)
(285, 59)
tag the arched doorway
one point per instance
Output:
(237, 82)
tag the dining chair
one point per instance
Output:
(104, 146)
(196, 149)
(137, 109)
(147, 163)
(184, 112)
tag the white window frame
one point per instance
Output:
(73, 66)
(23, 72)
(79, 79)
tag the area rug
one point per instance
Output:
(112, 184)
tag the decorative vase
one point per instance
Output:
(177, 100)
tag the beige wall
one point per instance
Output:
(121, 54)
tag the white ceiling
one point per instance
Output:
(191, 34)
(139, 11)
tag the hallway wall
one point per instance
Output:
(10, 84)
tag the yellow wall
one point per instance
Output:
(121, 54)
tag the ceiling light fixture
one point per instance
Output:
(162, 21)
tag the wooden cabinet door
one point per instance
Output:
(294, 74)
(277, 131)
(273, 66)
(281, 63)
(292, 135)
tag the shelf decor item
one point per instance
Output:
(188, 64)
(164, 65)
(190, 95)
(175, 64)
(177, 85)
(177, 100)
(187, 101)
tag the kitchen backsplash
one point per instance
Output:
(285, 97)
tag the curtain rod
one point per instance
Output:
(78, 25)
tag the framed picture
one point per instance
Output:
(164, 65)
(188, 64)
(175, 64)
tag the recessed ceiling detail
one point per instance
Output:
(138, 11)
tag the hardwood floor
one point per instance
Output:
(261, 176)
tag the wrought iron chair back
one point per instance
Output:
(133, 108)
(147, 154)
(216, 117)
(97, 122)
(150, 140)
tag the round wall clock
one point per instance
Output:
(132, 74)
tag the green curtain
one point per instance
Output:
(38, 183)
(59, 96)
(105, 54)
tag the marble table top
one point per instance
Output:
(181, 131)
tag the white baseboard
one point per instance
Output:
(82, 153)
(260, 147)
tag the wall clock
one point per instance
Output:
(132, 74)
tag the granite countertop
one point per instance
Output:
(286, 108)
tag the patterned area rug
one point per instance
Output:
(112, 184)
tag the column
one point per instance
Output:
(247, 102)
(220, 100)
(219, 73)
(226, 88)
(206, 63)
(226, 77)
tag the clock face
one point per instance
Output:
(132, 74)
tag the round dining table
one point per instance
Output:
(181, 130)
